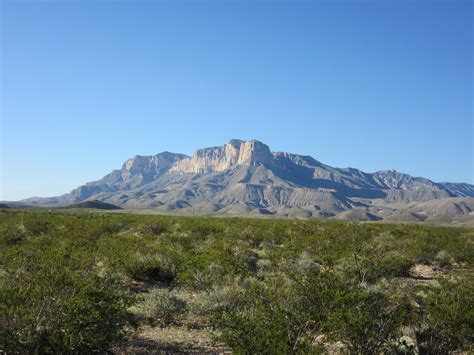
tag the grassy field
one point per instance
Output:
(81, 282)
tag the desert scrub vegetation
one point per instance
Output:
(81, 282)
(161, 306)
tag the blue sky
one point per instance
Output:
(367, 84)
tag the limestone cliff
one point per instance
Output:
(221, 158)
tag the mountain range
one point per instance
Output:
(246, 177)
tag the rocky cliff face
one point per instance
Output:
(216, 159)
(246, 177)
(148, 168)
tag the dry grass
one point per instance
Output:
(174, 340)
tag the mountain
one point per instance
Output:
(243, 177)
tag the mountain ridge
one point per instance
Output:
(247, 177)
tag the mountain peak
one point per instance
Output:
(223, 157)
(140, 162)
(254, 151)
(236, 142)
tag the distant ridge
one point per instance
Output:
(246, 177)
(94, 204)
(13, 205)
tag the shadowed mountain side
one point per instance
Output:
(94, 204)
(13, 205)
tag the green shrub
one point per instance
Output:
(367, 322)
(150, 268)
(49, 306)
(284, 316)
(448, 318)
(154, 228)
(204, 279)
(11, 234)
(444, 259)
(162, 307)
(266, 320)
(336, 304)
(218, 298)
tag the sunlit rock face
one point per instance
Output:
(223, 157)
(149, 166)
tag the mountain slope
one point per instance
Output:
(246, 177)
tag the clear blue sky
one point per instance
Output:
(367, 84)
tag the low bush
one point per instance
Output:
(218, 298)
(50, 306)
(150, 268)
(444, 259)
(12, 234)
(284, 316)
(447, 321)
(161, 307)
(266, 320)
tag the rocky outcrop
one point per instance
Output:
(216, 159)
(392, 179)
(143, 169)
